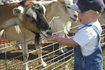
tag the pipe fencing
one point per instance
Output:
(12, 58)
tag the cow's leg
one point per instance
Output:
(18, 30)
(37, 39)
(66, 29)
(63, 48)
(25, 56)
(38, 46)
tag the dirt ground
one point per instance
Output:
(12, 59)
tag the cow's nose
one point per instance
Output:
(75, 16)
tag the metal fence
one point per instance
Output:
(12, 58)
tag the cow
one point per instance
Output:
(36, 25)
(31, 16)
(60, 12)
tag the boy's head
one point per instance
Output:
(88, 10)
(85, 5)
(88, 16)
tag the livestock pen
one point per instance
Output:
(12, 58)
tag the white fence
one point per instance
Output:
(12, 58)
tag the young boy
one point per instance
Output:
(86, 41)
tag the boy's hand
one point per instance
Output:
(52, 37)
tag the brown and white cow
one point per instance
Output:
(53, 8)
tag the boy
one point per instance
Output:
(86, 41)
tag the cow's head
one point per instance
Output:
(34, 13)
(72, 14)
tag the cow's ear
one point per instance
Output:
(18, 10)
(67, 2)
(22, 2)
(44, 9)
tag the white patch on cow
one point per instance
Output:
(17, 28)
(44, 9)
(18, 10)
(43, 63)
(67, 27)
(31, 13)
(1, 33)
(21, 9)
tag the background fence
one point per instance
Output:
(12, 58)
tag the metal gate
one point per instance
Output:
(12, 58)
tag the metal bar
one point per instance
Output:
(56, 62)
(63, 63)
(55, 58)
